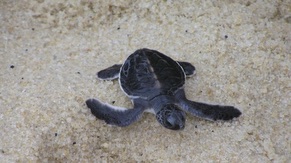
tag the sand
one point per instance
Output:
(50, 51)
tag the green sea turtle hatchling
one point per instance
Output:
(155, 83)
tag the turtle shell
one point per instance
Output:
(148, 73)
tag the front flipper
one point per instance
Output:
(189, 69)
(114, 115)
(109, 73)
(210, 112)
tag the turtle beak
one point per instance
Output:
(176, 122)
(171, 117)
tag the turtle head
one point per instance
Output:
(171, 117)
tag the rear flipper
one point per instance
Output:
(112, 72)
(109, 73)
(210, 112)
(114, 115)
(188, 68)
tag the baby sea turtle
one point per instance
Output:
(155, 83)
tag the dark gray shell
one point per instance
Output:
(149, 73)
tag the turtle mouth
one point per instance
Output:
(171, 117)
(174, 122)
